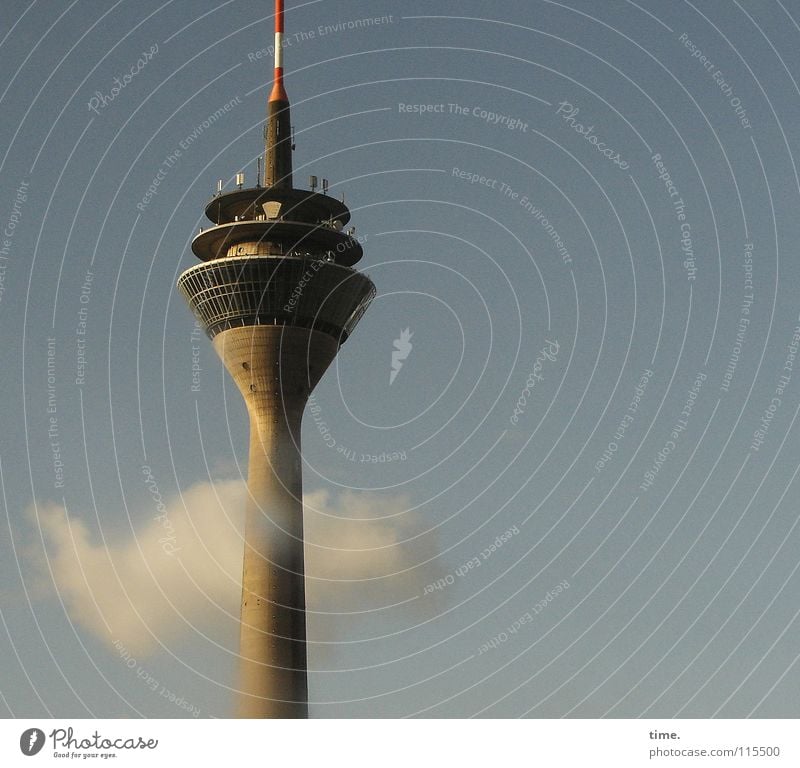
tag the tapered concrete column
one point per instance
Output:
(275, 368)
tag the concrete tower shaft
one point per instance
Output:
(275, 369)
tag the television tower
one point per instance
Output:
(277, 296)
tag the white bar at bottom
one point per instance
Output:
(401, 743)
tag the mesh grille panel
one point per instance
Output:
(232, 292)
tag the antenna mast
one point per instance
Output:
(278, 133)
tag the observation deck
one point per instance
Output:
(263, 290)
(277, 256)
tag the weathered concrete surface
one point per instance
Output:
(275, 368)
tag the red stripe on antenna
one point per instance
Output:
(278, 92)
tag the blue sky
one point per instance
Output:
(585, 214)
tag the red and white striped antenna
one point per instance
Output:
(278, 133)
(278, 91)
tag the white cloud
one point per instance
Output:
(364, 546)
(169, 576)
(182, 573)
